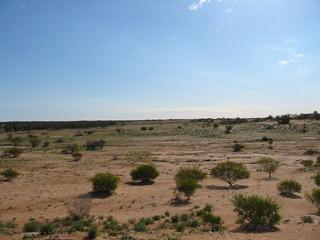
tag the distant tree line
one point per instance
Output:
(40, 125)
(54, 125)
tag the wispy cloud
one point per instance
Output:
(198, 4)
(295, 57)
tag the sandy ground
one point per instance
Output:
(50, 180)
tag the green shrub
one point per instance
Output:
(230, 172)
(187, 187)
(140, 227)
(289, 187)
(34, 142)
(314, 198)
(144, 173)
(180, 227)
(104, 182)
(12, 152)
(95, 144)
(215, 222)
(47, 229)
(256, 213)
(10, 174)
(32, 226)
(16, 140)
(237, 147)
(175, 218)
(93, 232)
(70, 148)
(268, 165)
(190, 173)
(285, 119)
(144, 128)
(76, 156)
(317, 179)
(112, 226)
(307, 164)
(228, 129)
(307, 219)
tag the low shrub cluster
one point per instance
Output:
(95, 144)
(12, 152)
(289, 187)
(10, 174)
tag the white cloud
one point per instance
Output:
(295, 57)
(198, 4)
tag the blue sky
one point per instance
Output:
(138, 59)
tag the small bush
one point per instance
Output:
(47, 229)
(268, 165)
(180, 227)
(270, 141)
(187, 187)
(16, 140)
(32, 226)
(237, 147)
(307, 164)
(140, 227)
(289, 187)
(76, 156)
(70, 148)
(10, 174)
(317, 179)
(144, 173)
(151, 128)
(311, 152)
(307, 219)
(214, 221)
(34, 142)
(104, 182)
(143, 128)
(190, 173)
(285, 119)
(13, 152)
(79, 208)
(95, 144)
(112, 226)
(314, 198)
(256, 213)
(93, 232)
(230, 172)
(228, 129)
(45, 144)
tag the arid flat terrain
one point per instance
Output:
(50, 180)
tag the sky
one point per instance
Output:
(158, 59)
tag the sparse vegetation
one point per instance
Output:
(230, 172)
(307, 164)
(10, 174)
(12, 152)
(314, 198)
(34, 142)
(70, 148)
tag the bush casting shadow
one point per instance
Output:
(234, 187)
(142, 183)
